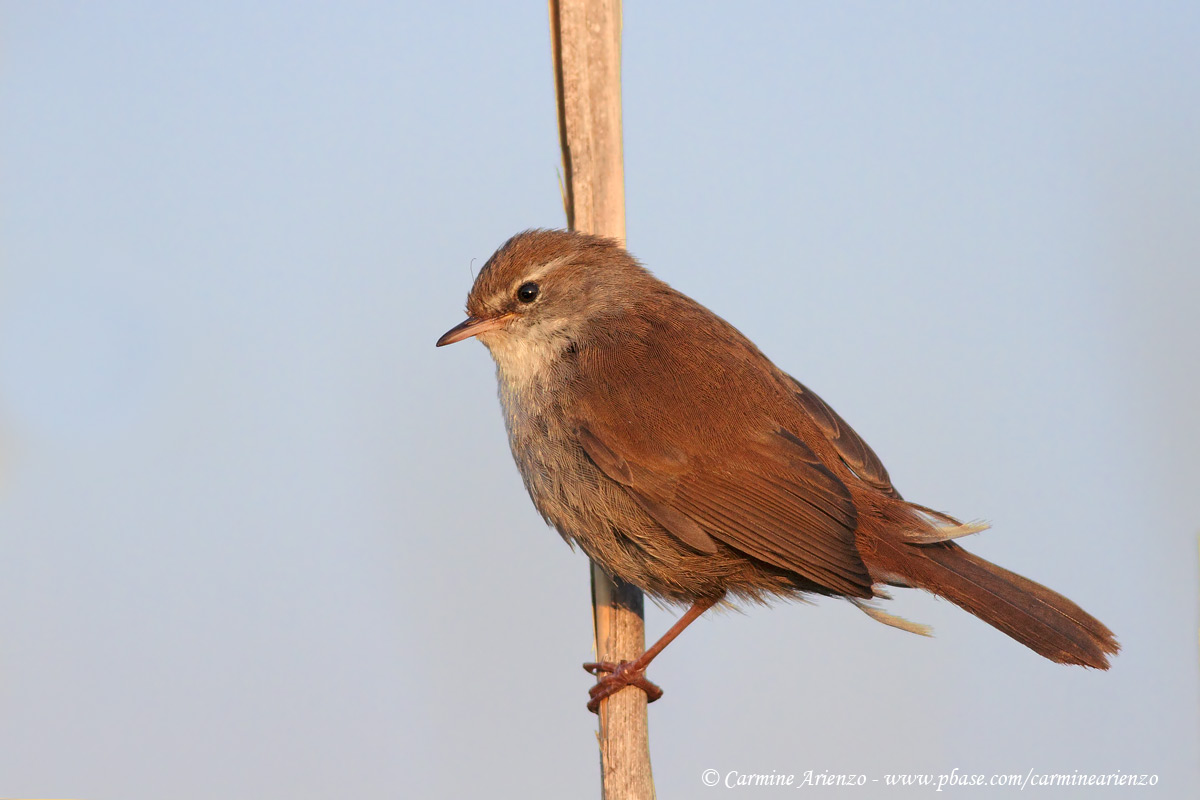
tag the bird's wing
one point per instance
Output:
(851, 449)
(740, 472)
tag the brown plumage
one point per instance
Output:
(658, 438)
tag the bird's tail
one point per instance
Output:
(1041, 619)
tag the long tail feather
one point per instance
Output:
(1039, 618)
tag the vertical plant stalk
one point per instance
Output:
(586, 42)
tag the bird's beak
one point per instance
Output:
(473, 326)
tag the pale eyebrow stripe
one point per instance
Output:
(544, 268)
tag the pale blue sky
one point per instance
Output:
(260, 538)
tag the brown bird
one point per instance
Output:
(658, 438)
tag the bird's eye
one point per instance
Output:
(527, 292)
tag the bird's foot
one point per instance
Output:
(626, 673)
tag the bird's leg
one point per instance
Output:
(633, 673)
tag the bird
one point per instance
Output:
(662, 442)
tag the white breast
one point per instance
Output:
(530, 366)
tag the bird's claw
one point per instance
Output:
(618, 676)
